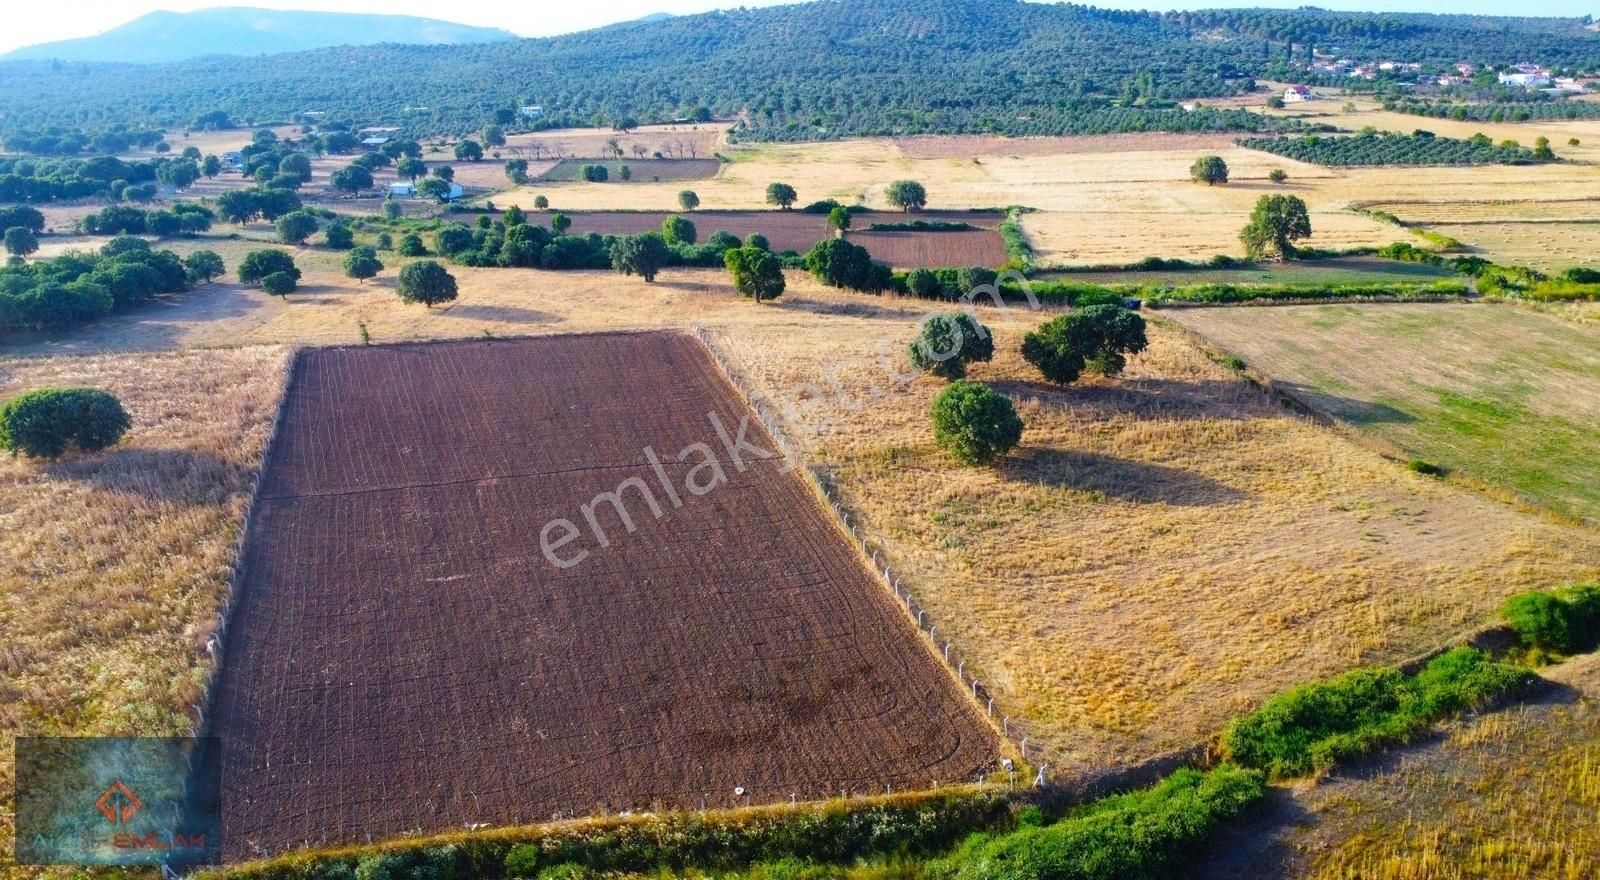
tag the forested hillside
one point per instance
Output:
(825, 69)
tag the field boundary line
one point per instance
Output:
(1071, 784)
(204, 709)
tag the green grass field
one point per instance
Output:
(1500, 395)
(1343, 270)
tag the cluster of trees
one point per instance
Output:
(60, 141)
(1499, 111)
(46, 180)
(79, 287)
(181, 218)
(1383, 148)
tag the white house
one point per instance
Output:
(1525, 80)
(376, 141)
(532, 111)
(1295, 94)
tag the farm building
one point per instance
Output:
(402, 190)
(532, 111)
(1295, 94)
(233, 158)
(1525, 80)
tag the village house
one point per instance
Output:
(1296, 94)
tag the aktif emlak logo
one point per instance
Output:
(118, 801)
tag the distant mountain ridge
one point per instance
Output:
(240, 30)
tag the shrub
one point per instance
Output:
(278, 284)
(522, 861)
(975, 423)
(945, 344)
(1278, 175)
(411, 245)
(381, 866)
(971, 278)
(1562, 622)
(339, 237)
(1143, 834)
(839, 263)
(46, 422)
(1097, 338)
(677, 230)
(758, 241)
(1425, 468)
(1312, 727)
(923, 283)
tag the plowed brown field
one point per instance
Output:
(798, 231)
(406, 656)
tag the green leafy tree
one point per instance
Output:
(1209, 170)
(339, 236)
(641, 255)
(362, 263)
(1097, 338)
(907, 195)
(257, 265)
(469, 151)
(975, 423)
(781, 195)
(411, 168)
(677, 230)
(239, 206)
(757, 272)
(945, 344)
(594, 173)
(411, 245)
(923, 283)
(517, 170)
(46, 422)
(204, 266)
(297, 164)
(688, 200)
(494, 136)
(1542, 151)
(560, 223)
(445, 173)
(279, 284)
(839, 220)
(1278, 175)
(839, 263)
(210, 166)
(20, 241)
(758, 241)
(426, 282)
(351, 179)
(296, 227)
(540, 203)
(452, 239)
(1275, 225)
(434, 188)
(392, 209)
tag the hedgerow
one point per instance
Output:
(1313, 727)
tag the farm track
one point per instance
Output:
(404, 657)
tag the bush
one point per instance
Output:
(411, 245)
(945, 344)
(296, 226)
(923, 283)
(1097, 338)
(1312, 727)
(1562, 622)
(46, 422)
(677, 230)
(975, 423)
(339, 237)
(522, 861)
(1143, 834)
(839, 263)
(1425, 468)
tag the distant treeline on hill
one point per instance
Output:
(808, 71)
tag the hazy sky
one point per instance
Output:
(28, 23)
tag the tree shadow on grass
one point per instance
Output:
(1142, 398)
(503, 314)
(1116, 478)
(179, 476)
(1349, 409)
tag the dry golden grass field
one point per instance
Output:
(1501, 395)
(1508, 795)
(112, 566)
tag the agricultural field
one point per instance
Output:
(1337, 271)
(651, 170)
(112, 565)
(405, 617)
(1504, 397)
(1508, 794)
(671, 141)
(798, 231)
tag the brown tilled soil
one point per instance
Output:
(798, 231)
(405, 656)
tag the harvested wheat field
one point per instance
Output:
(697, 631)
(113, 565)
(1165, 550)
(957, 146)
(1501, 395)
(569, 170)
(1508, 794)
